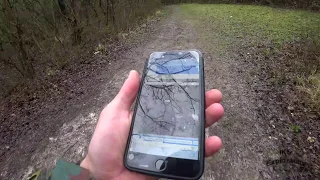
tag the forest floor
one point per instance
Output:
(267, 131)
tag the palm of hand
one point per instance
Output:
(108, 155)
(107, 146)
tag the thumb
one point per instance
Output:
(128, 91)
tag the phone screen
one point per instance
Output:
(167, 121)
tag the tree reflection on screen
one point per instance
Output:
(170, 97)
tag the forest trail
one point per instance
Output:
(246, 146)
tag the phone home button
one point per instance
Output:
(160, 164)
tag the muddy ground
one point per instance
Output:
(57, 121)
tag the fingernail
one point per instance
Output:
(131, 72)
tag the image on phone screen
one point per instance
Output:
(167, 123)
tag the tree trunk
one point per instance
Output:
(77, 29)
(25, 60)
(62, 6)
(113, 13)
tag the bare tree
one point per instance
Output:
(38, 34)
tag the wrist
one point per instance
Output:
(86, 164)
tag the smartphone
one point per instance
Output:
(166, 138)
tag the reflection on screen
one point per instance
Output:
(167, 117)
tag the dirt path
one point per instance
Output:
(246, 144)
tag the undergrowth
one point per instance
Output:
(311, 86)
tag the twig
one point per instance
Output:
(69, 149)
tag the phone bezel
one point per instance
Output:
(202, 136)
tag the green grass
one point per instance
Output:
(232, 22)
(226, 29)
(296, 128)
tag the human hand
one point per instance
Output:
(105, 155)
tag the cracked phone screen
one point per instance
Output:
(167, 120)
